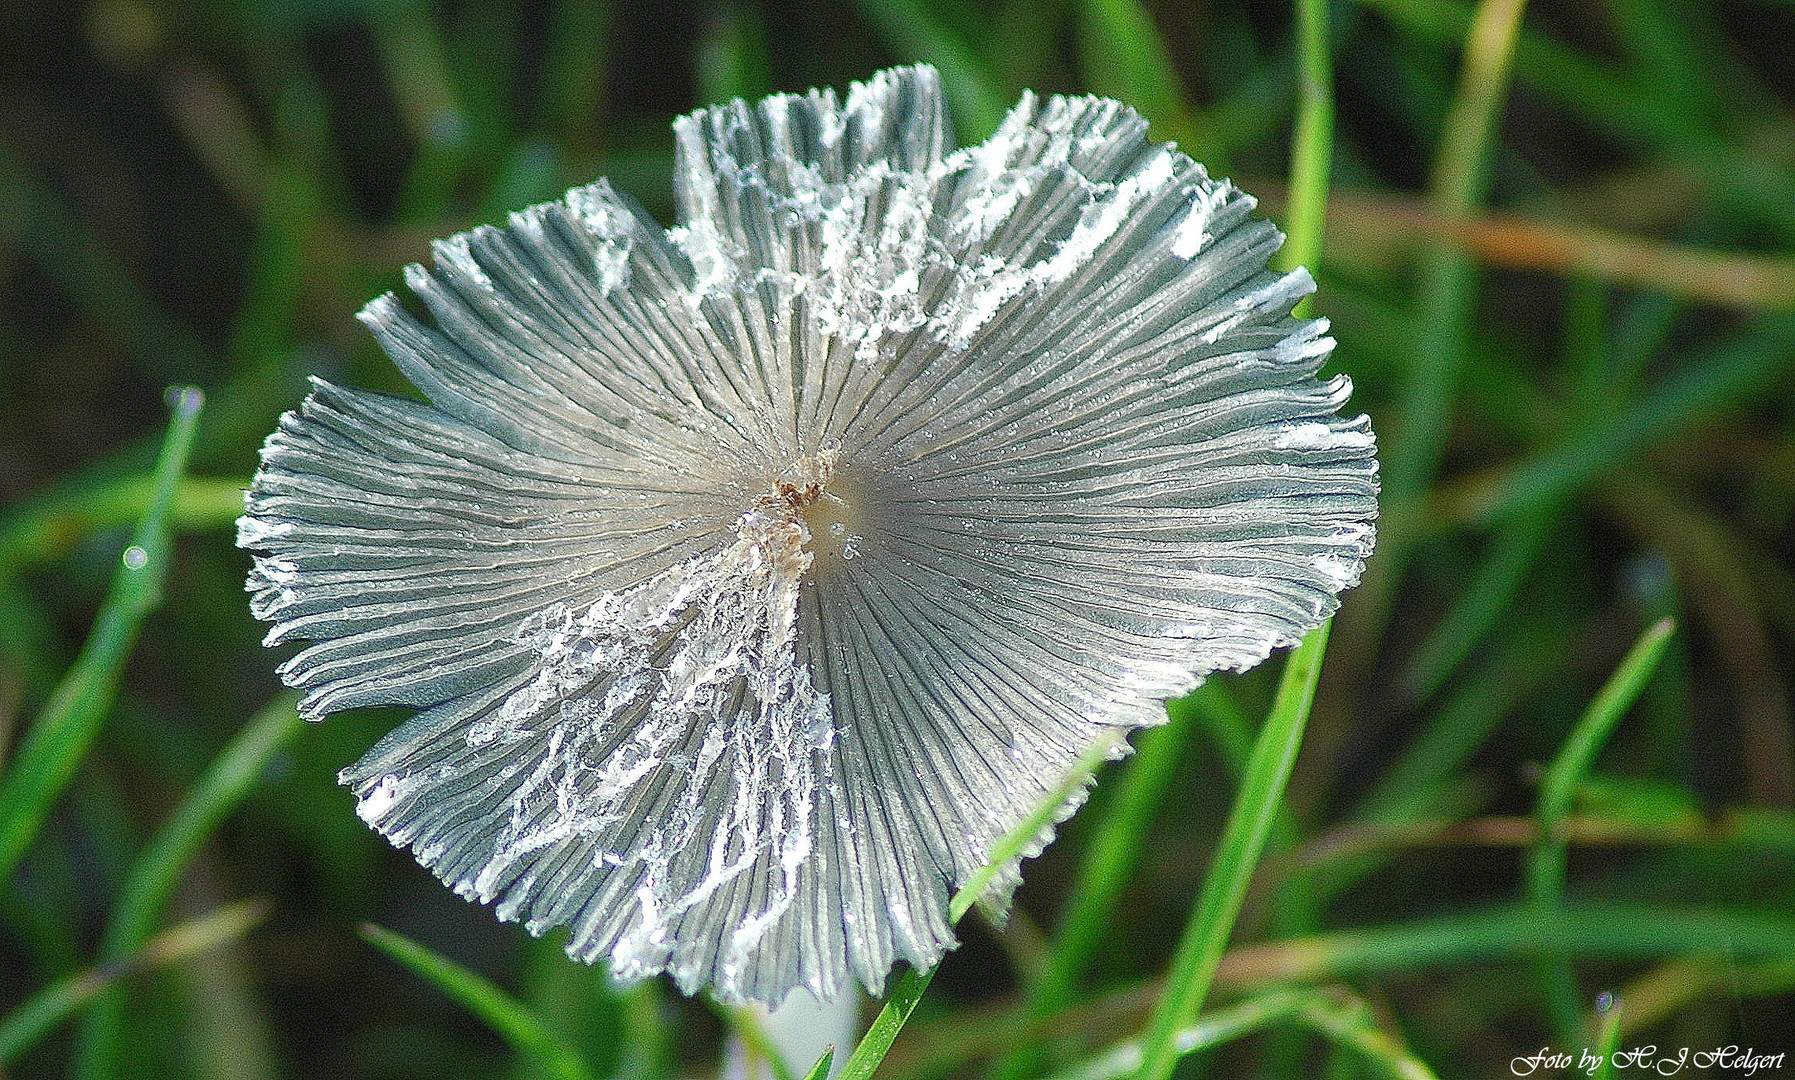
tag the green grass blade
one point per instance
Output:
(1546, 863)
(1237, 854)
(74, 257)
(46, 528)
(39, 1014)
(418, 71)
(1449, 279)
(482, 40)
(643, 1034)
(620, 1031)
(1611, 931)
(1225, 724)
(1311, 143)
(1705, 385)
(1597, 723)
(156, 873)
(500, 1011)
(907, 989)
(1607, 1038)
(1351, 1024)
(745, 1024)
(56, 743)
(1482, 602)
(1346, 1022)
(1426, 781)
(733, 61)
(573, 72)
(1257, 806)
(1462, 167)
(292, 221)
(1125, 58)
(1438, 347)
(1463, 721)
(1620, 102)
(978, 104)
(1209, 1031)
(820, 1071)
(1104, 873)
(1050, 809)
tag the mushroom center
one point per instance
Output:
(812, 493)
(834, 527)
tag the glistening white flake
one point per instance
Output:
(754, 577)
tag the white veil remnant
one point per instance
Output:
(753, 577)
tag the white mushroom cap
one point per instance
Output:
(756, 576)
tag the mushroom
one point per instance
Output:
(754, 577)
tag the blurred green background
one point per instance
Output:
(1578, 350)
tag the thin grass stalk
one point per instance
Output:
(1347, 1023)
(1438, 350)
(1481, 602)
(1214, 1029)
(1311, 169)
(1351, 1024)
(1237, 854)
(521, 1028)
(755, 1045)
(268, 315)
(573, 75)
(38, 1015)
(1609, 930)
(1422, 783)
(156, 874)
(1607, 1040)
(1312, 142)
(1224, 723)
(978, 105)
(732, 59)
(907, 988)
(1546, 863)
(1638, 104)
(45, 528)
(1124, 56)
(1274, 753)
(1448, 288)
(820, 1071)
(1102, 876)
(1442, 311)
(99, 283)
(644, 1036)
(56, 744)
(1708, 383)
